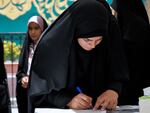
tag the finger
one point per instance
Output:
(98, 104)
(83, 101)
(85, 104)
(24, 85)
(86, 99)
(101, 104)
(104, 105)
(115, 105)
(76, 104)
(112, 104)
(25, 79)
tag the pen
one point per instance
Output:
(79, 89)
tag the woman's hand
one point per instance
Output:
(24, 82)
(107, 100)
(80, 101)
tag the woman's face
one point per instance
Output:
(89, 43)
(34, 31)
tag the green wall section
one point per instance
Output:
(17, 25)
(20, 24)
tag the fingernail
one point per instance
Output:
(94, 109)
(102, 109)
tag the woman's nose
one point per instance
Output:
(33, 31)
(93, 44)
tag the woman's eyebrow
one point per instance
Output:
(87, 39)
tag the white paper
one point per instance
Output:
(127, 107)
(49, 110)
(146, 91)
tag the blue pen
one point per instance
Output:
(79, 89)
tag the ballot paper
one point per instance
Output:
(127, 108)
(50, 110)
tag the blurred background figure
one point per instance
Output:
(133, 20)
(36, 25)
(4, 93)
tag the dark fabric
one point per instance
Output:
(93, 25)
(54, 70)
(2, 67)
(4, 93)
(98, 69)
(4, 97)
(135, 31)
(133, 20)
(117, 59)
(21, 93)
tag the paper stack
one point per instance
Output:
(144, 101)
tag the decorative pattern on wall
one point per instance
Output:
(14, 8)
(49, 9)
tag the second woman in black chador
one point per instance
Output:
(135, 31)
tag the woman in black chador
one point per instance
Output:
(36, 25)
(135, 30)
(4, 93)
(77, 51)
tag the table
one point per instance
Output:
(120, 109)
